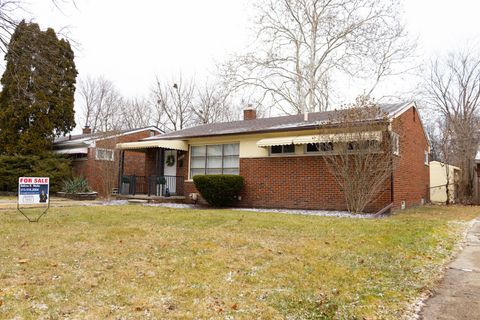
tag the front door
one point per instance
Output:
(170, 170)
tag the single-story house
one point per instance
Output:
(440, 173)
(95, 157)
(281, 166)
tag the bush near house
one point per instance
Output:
(219, 190)
(56, 167)
(76, 185)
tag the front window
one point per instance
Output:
(214, 159)
(104, 154)
(287, 149)
(319, 147)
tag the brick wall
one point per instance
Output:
(103, 175)
(412, 176)
(303, 182)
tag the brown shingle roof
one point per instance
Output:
(295, 122)
(98, 135)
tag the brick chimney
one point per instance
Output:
(86, 130)
(249, 113)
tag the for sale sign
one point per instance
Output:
(33, 190)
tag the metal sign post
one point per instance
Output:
(33, 192)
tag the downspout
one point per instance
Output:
(391, 164)
(120, 170)
(391, 187)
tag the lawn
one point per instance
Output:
(132, 262)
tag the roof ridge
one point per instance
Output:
(278, 123)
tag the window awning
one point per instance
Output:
(72, 151)
(319, 138)
(166, 144)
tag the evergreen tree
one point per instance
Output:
(36, 103)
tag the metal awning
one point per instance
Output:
(166, 144)
(319, 138)
(72, 151)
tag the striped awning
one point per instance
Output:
(166, 144)
(72, 151)
(319, 138)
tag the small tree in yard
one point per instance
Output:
(362, 161)
(106, 163)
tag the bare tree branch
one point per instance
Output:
(452, 88)
(302, 45)
(361, 164)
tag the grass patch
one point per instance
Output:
(146, 262)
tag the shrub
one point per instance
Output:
(56, 167)
(219, 190)
(76, 185)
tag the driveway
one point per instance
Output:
(458, 295)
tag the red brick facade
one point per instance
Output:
(102, 175)
(303, 182)
(412, 176)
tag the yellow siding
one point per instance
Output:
(248, 142)
(438, 181)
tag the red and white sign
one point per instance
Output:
(33, 190)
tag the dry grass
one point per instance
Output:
(142, 262)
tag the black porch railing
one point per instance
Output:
(152, 185)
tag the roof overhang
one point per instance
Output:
(321, 138)
(166, 144)
(72, 151)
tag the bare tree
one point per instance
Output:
(101, 104)
(173, 103)
(303, 44)
(213, 103)
(10, 16)
(136, 113)
(453, 88)
(363, 161)
(8, 21)
(105, 165)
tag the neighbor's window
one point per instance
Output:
(395, 144)
(425, 157)
(287, 149)
(214, 159)
(319, 147)
(104, 154)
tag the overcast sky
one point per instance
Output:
(129, 42)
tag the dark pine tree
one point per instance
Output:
(36, 102)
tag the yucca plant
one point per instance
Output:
(76, 185)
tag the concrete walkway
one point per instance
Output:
(10, 203)
(458, 296)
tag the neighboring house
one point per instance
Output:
(95, 158)
(438, 182)
(281, 166)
